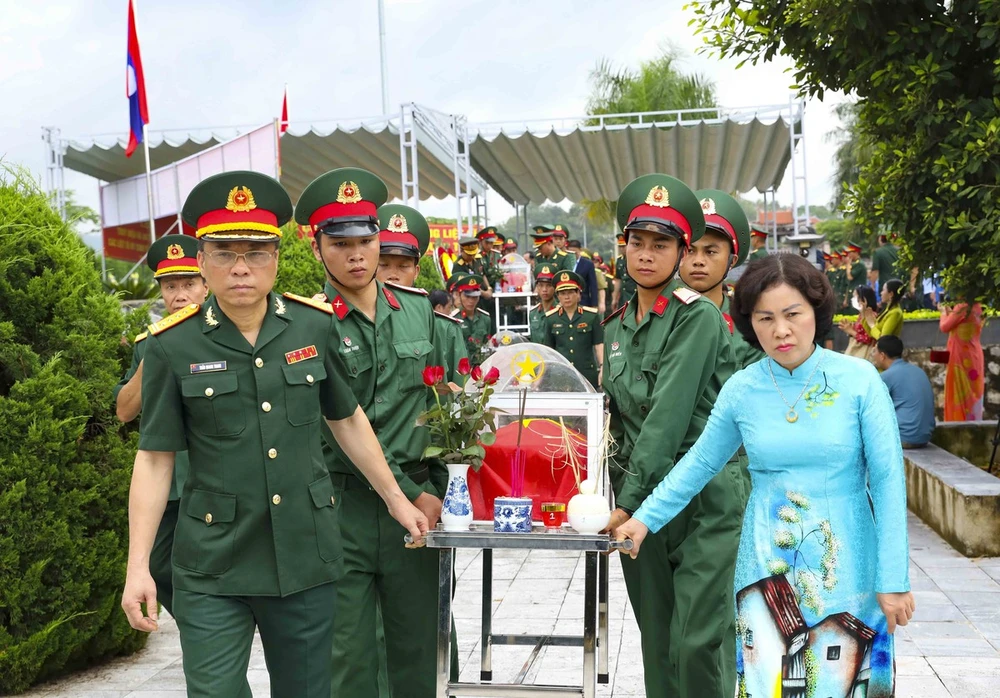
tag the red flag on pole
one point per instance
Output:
(284, 112)
(135, 87)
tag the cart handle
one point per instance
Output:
(614, 544)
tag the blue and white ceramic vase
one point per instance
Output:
(456, 509)
(512, 515)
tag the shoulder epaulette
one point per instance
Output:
(618, 313)
(560, 253)
(588, 309)
(448, 317)
(686, 295)
(174, 319)
(319, 305)
(411, 289)
(455, 313)
(553, 311)
(141, 336)
(480, 310)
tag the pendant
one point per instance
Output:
(792, 417)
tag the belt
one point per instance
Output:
(348, 481)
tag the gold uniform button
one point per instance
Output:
(272, 453)
(309, 378)
(208, 518)
(209, 392)
(276, 500)
(258, 362)
(266, 406)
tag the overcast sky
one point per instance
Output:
(209, 63)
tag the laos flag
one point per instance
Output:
(135, 87)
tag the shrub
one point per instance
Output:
(65, 462)
(298, 270)
(429, 278)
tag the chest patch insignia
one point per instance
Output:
(208, 367)
(614, 346)
(581, 326)
(347, 341)
(302, 354)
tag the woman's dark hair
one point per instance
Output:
(764, 274)
(867, 294)
(895, 289)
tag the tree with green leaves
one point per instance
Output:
(926, 74)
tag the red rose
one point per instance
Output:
(477, 374)
(464, 367)
(433, 375)
(492, 376)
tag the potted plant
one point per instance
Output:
(460, 425)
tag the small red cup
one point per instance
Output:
(553, 514)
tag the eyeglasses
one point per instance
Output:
(227, 258)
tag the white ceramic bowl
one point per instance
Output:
(588, 523)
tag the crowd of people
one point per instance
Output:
(280, 459)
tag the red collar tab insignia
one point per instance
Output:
(660, 305)
(686, 295)
(729, 321)
(348, 193)
(240, 200)
(708, 206)
(340, 308)
(175, 252)
(302, 354)
(391, 297)
(398, 224)
(658, 196)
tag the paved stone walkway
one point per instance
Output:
(952, 648)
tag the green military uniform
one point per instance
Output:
(257, 541)
(760, 234)
(884, 261)
(170, 256)
(859, 277)
(384, 359)
(743, 353)
(536, 314)
(662, 375)
(575, 337)
(475, 326)
(491, 259)
(627, 282)
(558, 260)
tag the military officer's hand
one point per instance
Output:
(634, 530)
(898, 609)
(429, 506)
(140, 589)
(618, 517)
(410, 518)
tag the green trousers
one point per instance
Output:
(161, 558)
(381, 574)
(681, 590)
(296, 631)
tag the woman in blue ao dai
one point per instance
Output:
(822, 570)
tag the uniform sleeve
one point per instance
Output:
(597, 333)
(714, 448)
(336, 397)
(686, 365)
(883, 455)
(162, 424)
(457, 351)
(546, 337)
(137, 351)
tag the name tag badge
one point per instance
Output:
(302, 354)
(208, 367)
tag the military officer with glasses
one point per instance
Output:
(387, 335)
(243, 384)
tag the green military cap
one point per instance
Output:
(661, 204)
(403, 231)
(470, 285)
(543, 228)
(724, 215)
(173, 255)
(540, 236)
(238, 205)
(500, 238)
(853, 247)
(560, 231)
(487, 233)
(568, 280)
(454, 280)
(545, 275)
(342, 203)
(758, 232)
(468, 241)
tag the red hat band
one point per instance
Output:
(184, 265)
(224, 220)
(465, 286)
(339, 210)
(662, 213)
(720, 222)
(387, 237)
(541, 241)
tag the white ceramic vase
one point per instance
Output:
(588, 512)
(456, 508)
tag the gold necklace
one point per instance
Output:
(792, 416)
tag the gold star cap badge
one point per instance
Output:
(240, 200)
(175, 252)
(658, 196)
(564, 277)
(348, 193)
(708, 207)
(397, 224)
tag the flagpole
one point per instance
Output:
(149, 186)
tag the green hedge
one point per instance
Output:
(65, 462)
